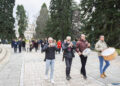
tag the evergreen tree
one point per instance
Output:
(76, 24)
(41, 22)
(101, 17)
(22, 20)
(6, 19)
(60, 22)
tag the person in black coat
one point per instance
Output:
(50, 49)
(23, 44)
(12, 43)
(42, 44)
(19, 44)
(31, 46)
(15, 46)
(68, 48)
(36, 45)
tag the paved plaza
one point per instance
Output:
(28, 69)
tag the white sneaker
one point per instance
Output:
(46, 77)
(52, 81)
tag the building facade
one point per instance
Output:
(30, 31)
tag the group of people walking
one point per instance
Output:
(69, 49)
(24, 45)
(20, 44)
(28, 45)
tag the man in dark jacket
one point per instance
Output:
(23, 44)
(36, 45)
(68, 55)
(12, 43)
(19, 44)
(50, 49)
(15, 46)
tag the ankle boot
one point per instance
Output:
(102, 76)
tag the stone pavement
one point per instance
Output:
(35, 69)
(28, 69)
(4, 55)
(10, 72)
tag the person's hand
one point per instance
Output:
(52, 45)
(88, 44)
(79, 53)
(71, 44)
(49, 45)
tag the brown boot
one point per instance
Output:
(102, 76)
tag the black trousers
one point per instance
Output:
(24, 49)
(59, 50)
(68, 62)
(36, 48)
(83, 62)
(15, 49)
(19, 49)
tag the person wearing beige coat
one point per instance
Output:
(99, 47)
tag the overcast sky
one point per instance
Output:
(32, 7)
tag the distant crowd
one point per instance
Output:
(20, 44)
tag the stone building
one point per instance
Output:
(30, 31)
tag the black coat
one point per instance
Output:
(23, 43)
(67, 53)
(49, 52)
(36, 44)
(19, 43)
(15, 44)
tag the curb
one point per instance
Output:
(4, 57)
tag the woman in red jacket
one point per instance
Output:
(59, 46)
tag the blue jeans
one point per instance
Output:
(103, 69)
(49, 64)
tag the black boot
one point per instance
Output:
(85, 77)
(67, 77)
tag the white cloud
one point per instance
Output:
(32, 7)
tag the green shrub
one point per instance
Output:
(118, 51)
